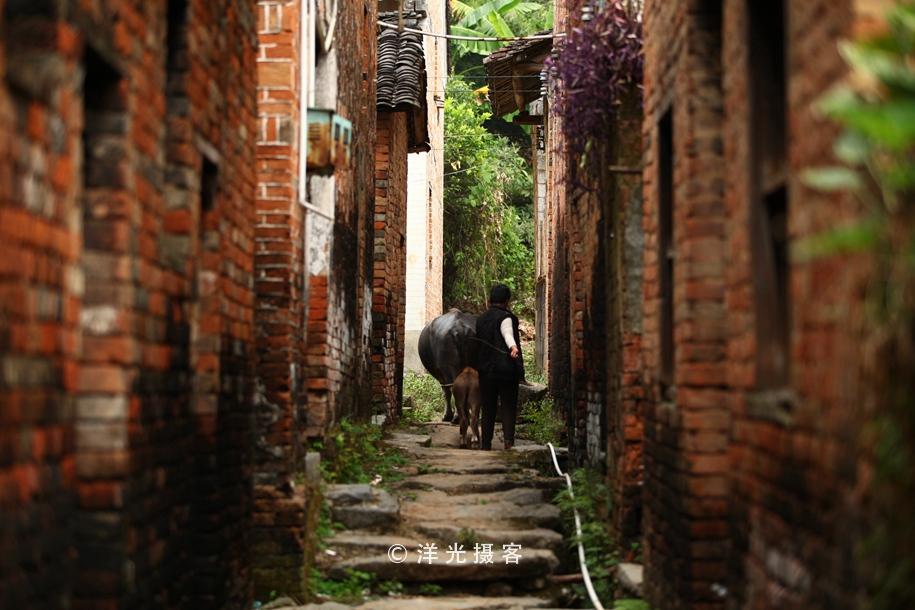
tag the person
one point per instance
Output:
(500, 366)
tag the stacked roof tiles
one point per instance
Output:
(402, 72)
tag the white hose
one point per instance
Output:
(581, 549)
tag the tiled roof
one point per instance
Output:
(401, 81)
(520, 58)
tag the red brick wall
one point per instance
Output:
(794, 504)
(750, 494)
(279, 536)
(559, 273)
(278, 255)
(390, 263)
(338, 375)
(126, 322)
(39, 325)
(598, 238)
(686, 432)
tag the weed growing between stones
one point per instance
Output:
(430, 588)
(353, 589)
(359, 586)
(468, 537)
(356, 454)
(540, 423)
(592, 499)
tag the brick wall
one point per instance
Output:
(794, 509)
(686, 426)
(281, 507)
(593, 293)
(750, 483)
(126, 320)
(279, 241)
(340, 241)
(390, 262)
(559, 320)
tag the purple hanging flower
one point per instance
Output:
(597, 64)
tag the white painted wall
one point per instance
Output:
(425, 188)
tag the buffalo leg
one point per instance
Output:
(475, 424)
(449, 411)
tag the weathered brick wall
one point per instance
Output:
(560, 372)
(338, 375)
(279, 252)
(599, 217)
(750, 487)
(279, 537)
(794, 506)
(686, 428)
(40, 288)
(126, 330)
(624, 267)
(390, 263)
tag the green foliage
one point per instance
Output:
(430, 588)
(631, 604)
(488, 224)
(877, 109)
(357, 455)
(592, 499)
(529, 355)
(496, 18)
(325, 527)
(540, 422)
(423, 399)
(391, 587)
(468, 537)
(353, 589)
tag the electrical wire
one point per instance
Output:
(392, 26)
(586, 576)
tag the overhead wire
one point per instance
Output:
(384, 24)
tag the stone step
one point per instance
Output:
(531, 564)
(456, 603)
(534, 538)
(523, 496)
(362, 506)
(495, 515)
(356, 543)
(471, 483)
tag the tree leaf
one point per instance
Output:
(832, 179)
(856, 237)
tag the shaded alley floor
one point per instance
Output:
(458, 498)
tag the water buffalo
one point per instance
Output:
(446, 347)
(467, 399)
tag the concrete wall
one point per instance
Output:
(425, 189)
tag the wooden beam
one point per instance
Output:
(525, 118)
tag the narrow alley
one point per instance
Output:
(262, 262)
(451, 505)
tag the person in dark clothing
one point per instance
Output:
(500, 366)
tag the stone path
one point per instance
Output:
(453, 496)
